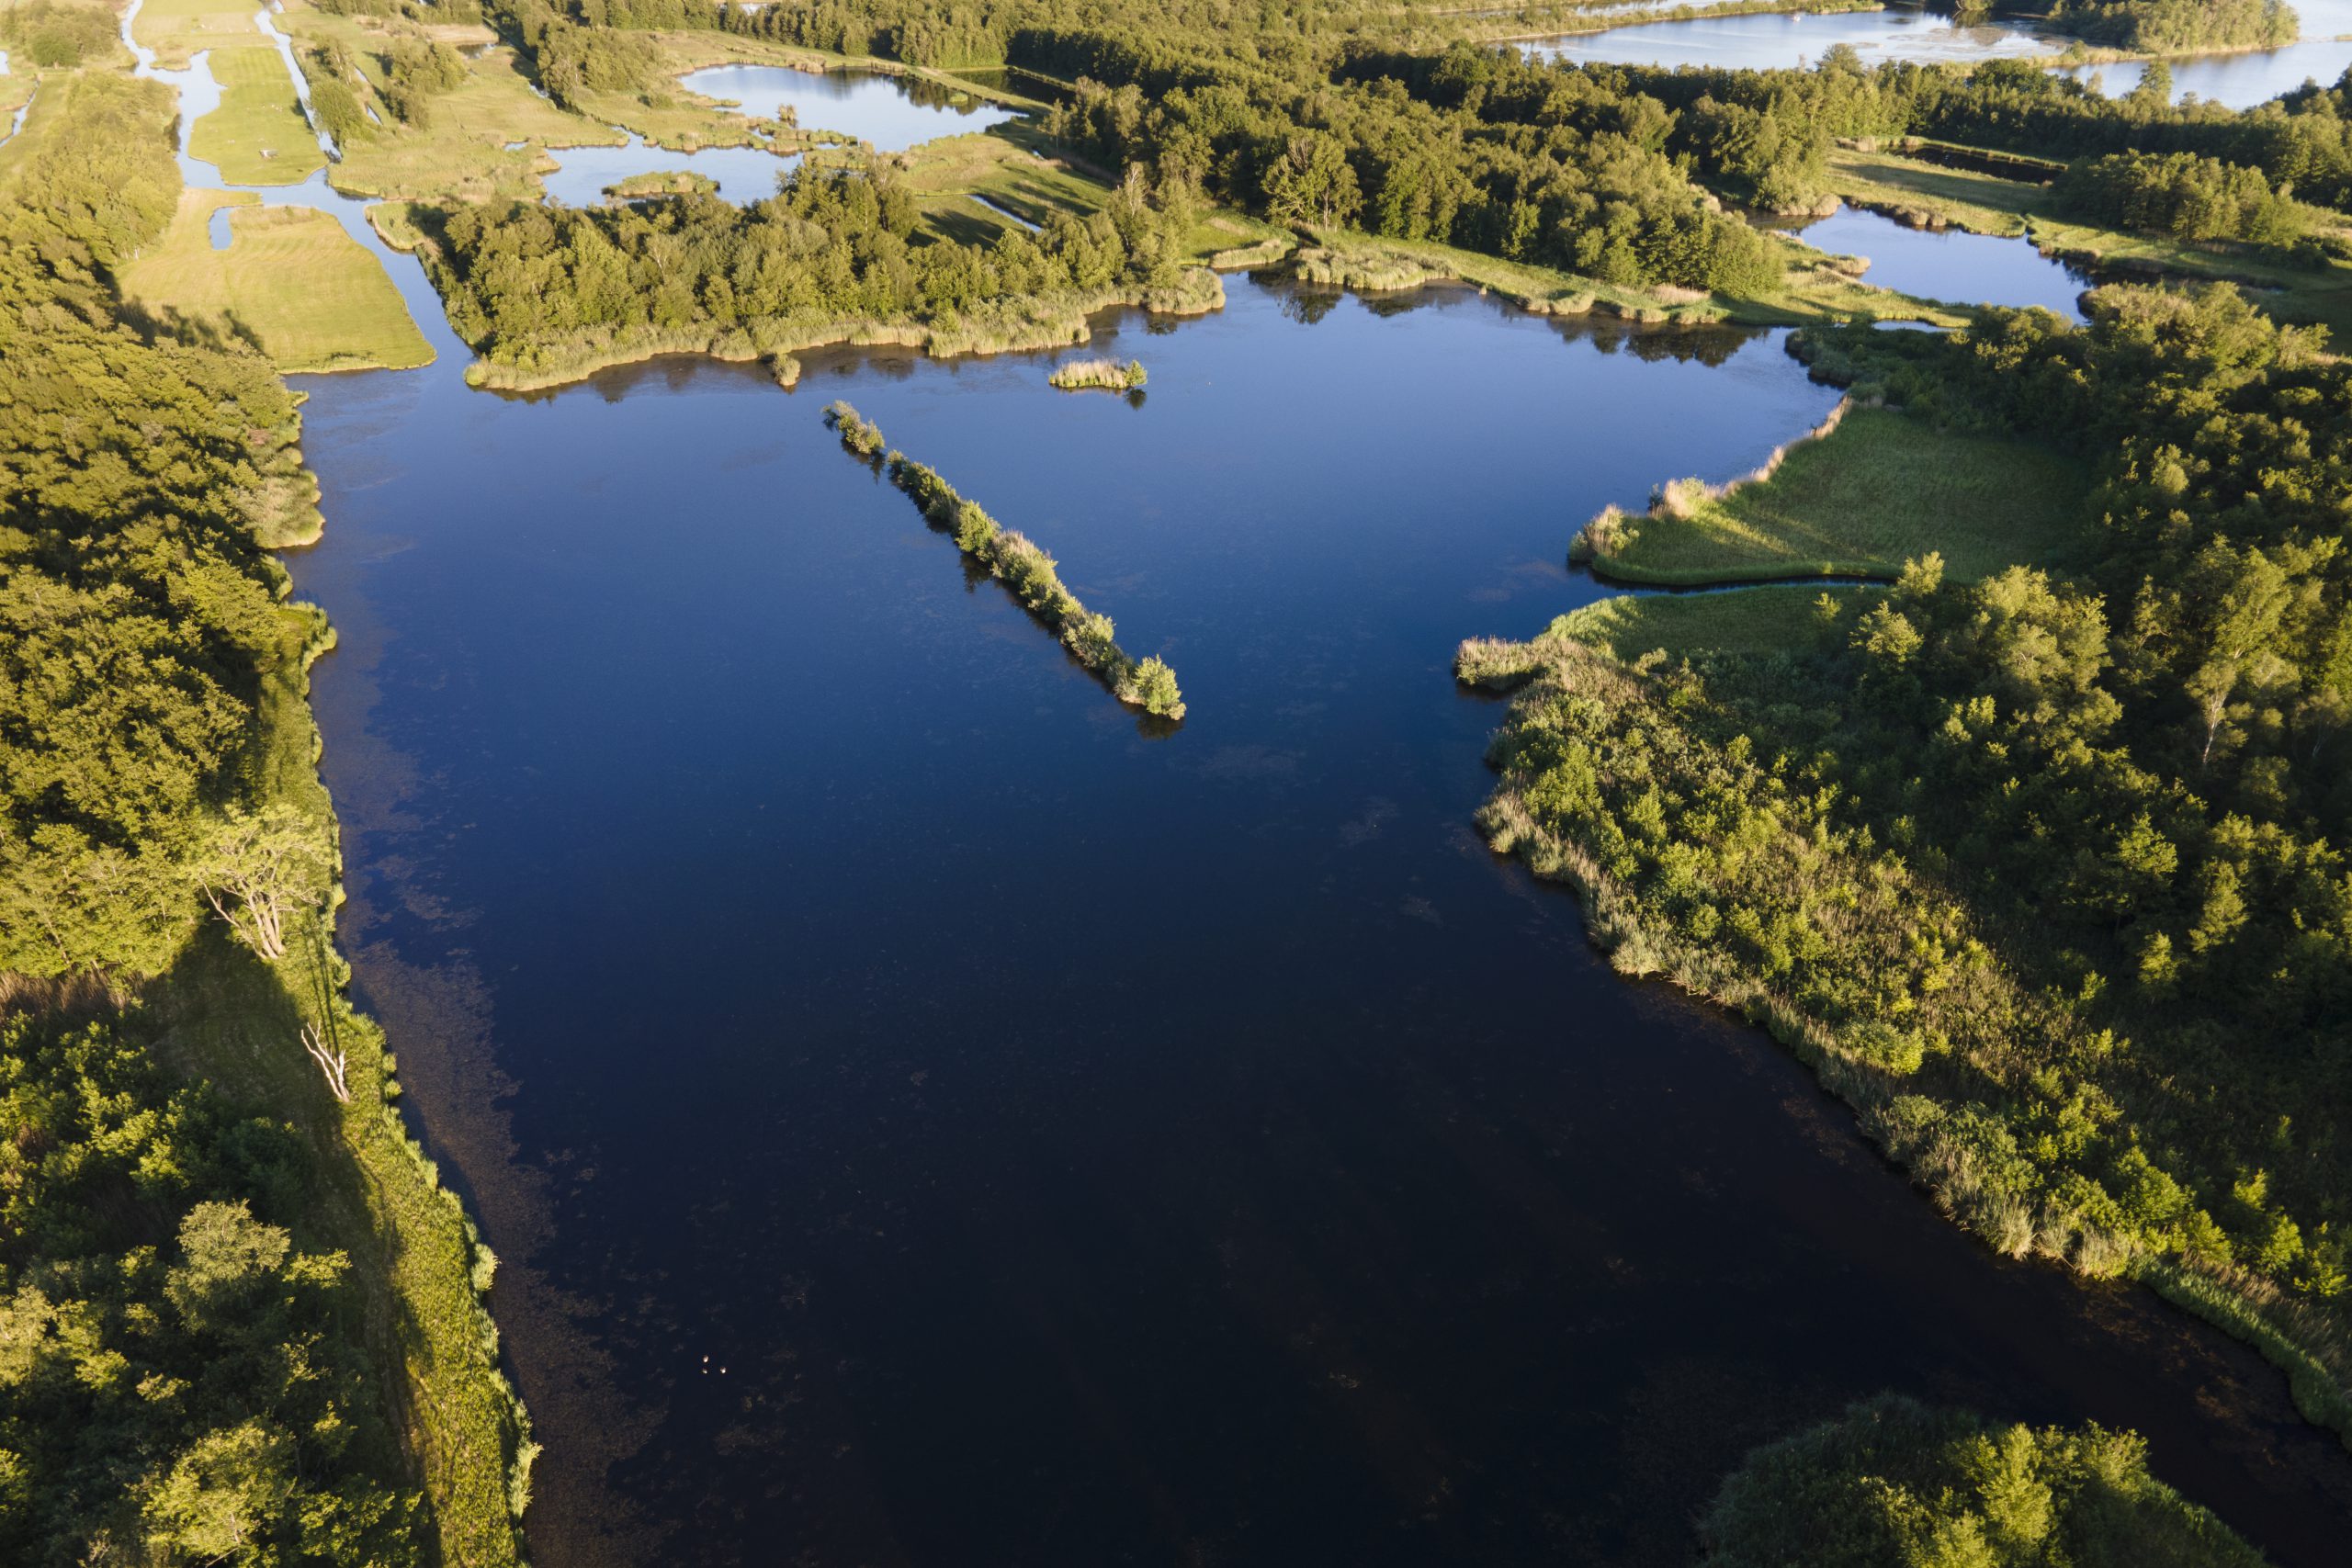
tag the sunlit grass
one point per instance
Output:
(291, 282)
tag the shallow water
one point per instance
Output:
(1963, 269)
(892, 112)
(931, 1117)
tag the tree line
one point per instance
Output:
(182, 1378)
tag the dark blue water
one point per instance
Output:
(931, 1119)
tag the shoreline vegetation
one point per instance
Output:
(1027, 572)
(1817, 810)
(243, 1315)
(1892, 1480)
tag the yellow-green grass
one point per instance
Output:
(1766, 618)
(291, 283)
(1763, 619)
(257, 136)
(1984, 204)
(1880, 489)
(177, 29)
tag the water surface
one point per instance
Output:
(931, 1117)
(1960, 268)
(743, 175)
(892, 112)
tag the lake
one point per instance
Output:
(931, 1117)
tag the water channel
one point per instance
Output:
(931, 1118)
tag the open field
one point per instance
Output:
(1879, 489)
(291, 282)
(1762, 619)
(257, 136)
(178, 29)
(1984, 204)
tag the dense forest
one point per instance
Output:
(2045, 868)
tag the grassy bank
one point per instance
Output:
(1027, 572)
(1873, 488)
(291, 283)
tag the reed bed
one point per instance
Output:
(1027, 572)
(1109, 375)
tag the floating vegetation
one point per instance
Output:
(1024, 568)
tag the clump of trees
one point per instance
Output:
(49, 34)
(2181, 195)
(1892, 1481)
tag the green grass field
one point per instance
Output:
(257, 136)
(1879, 489)
(175, 29)
(291, 282)
(1762, 619)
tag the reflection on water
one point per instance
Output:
(931, 1121)
(891, 112)
(1964, 269)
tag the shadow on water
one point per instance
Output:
(930, 1122)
